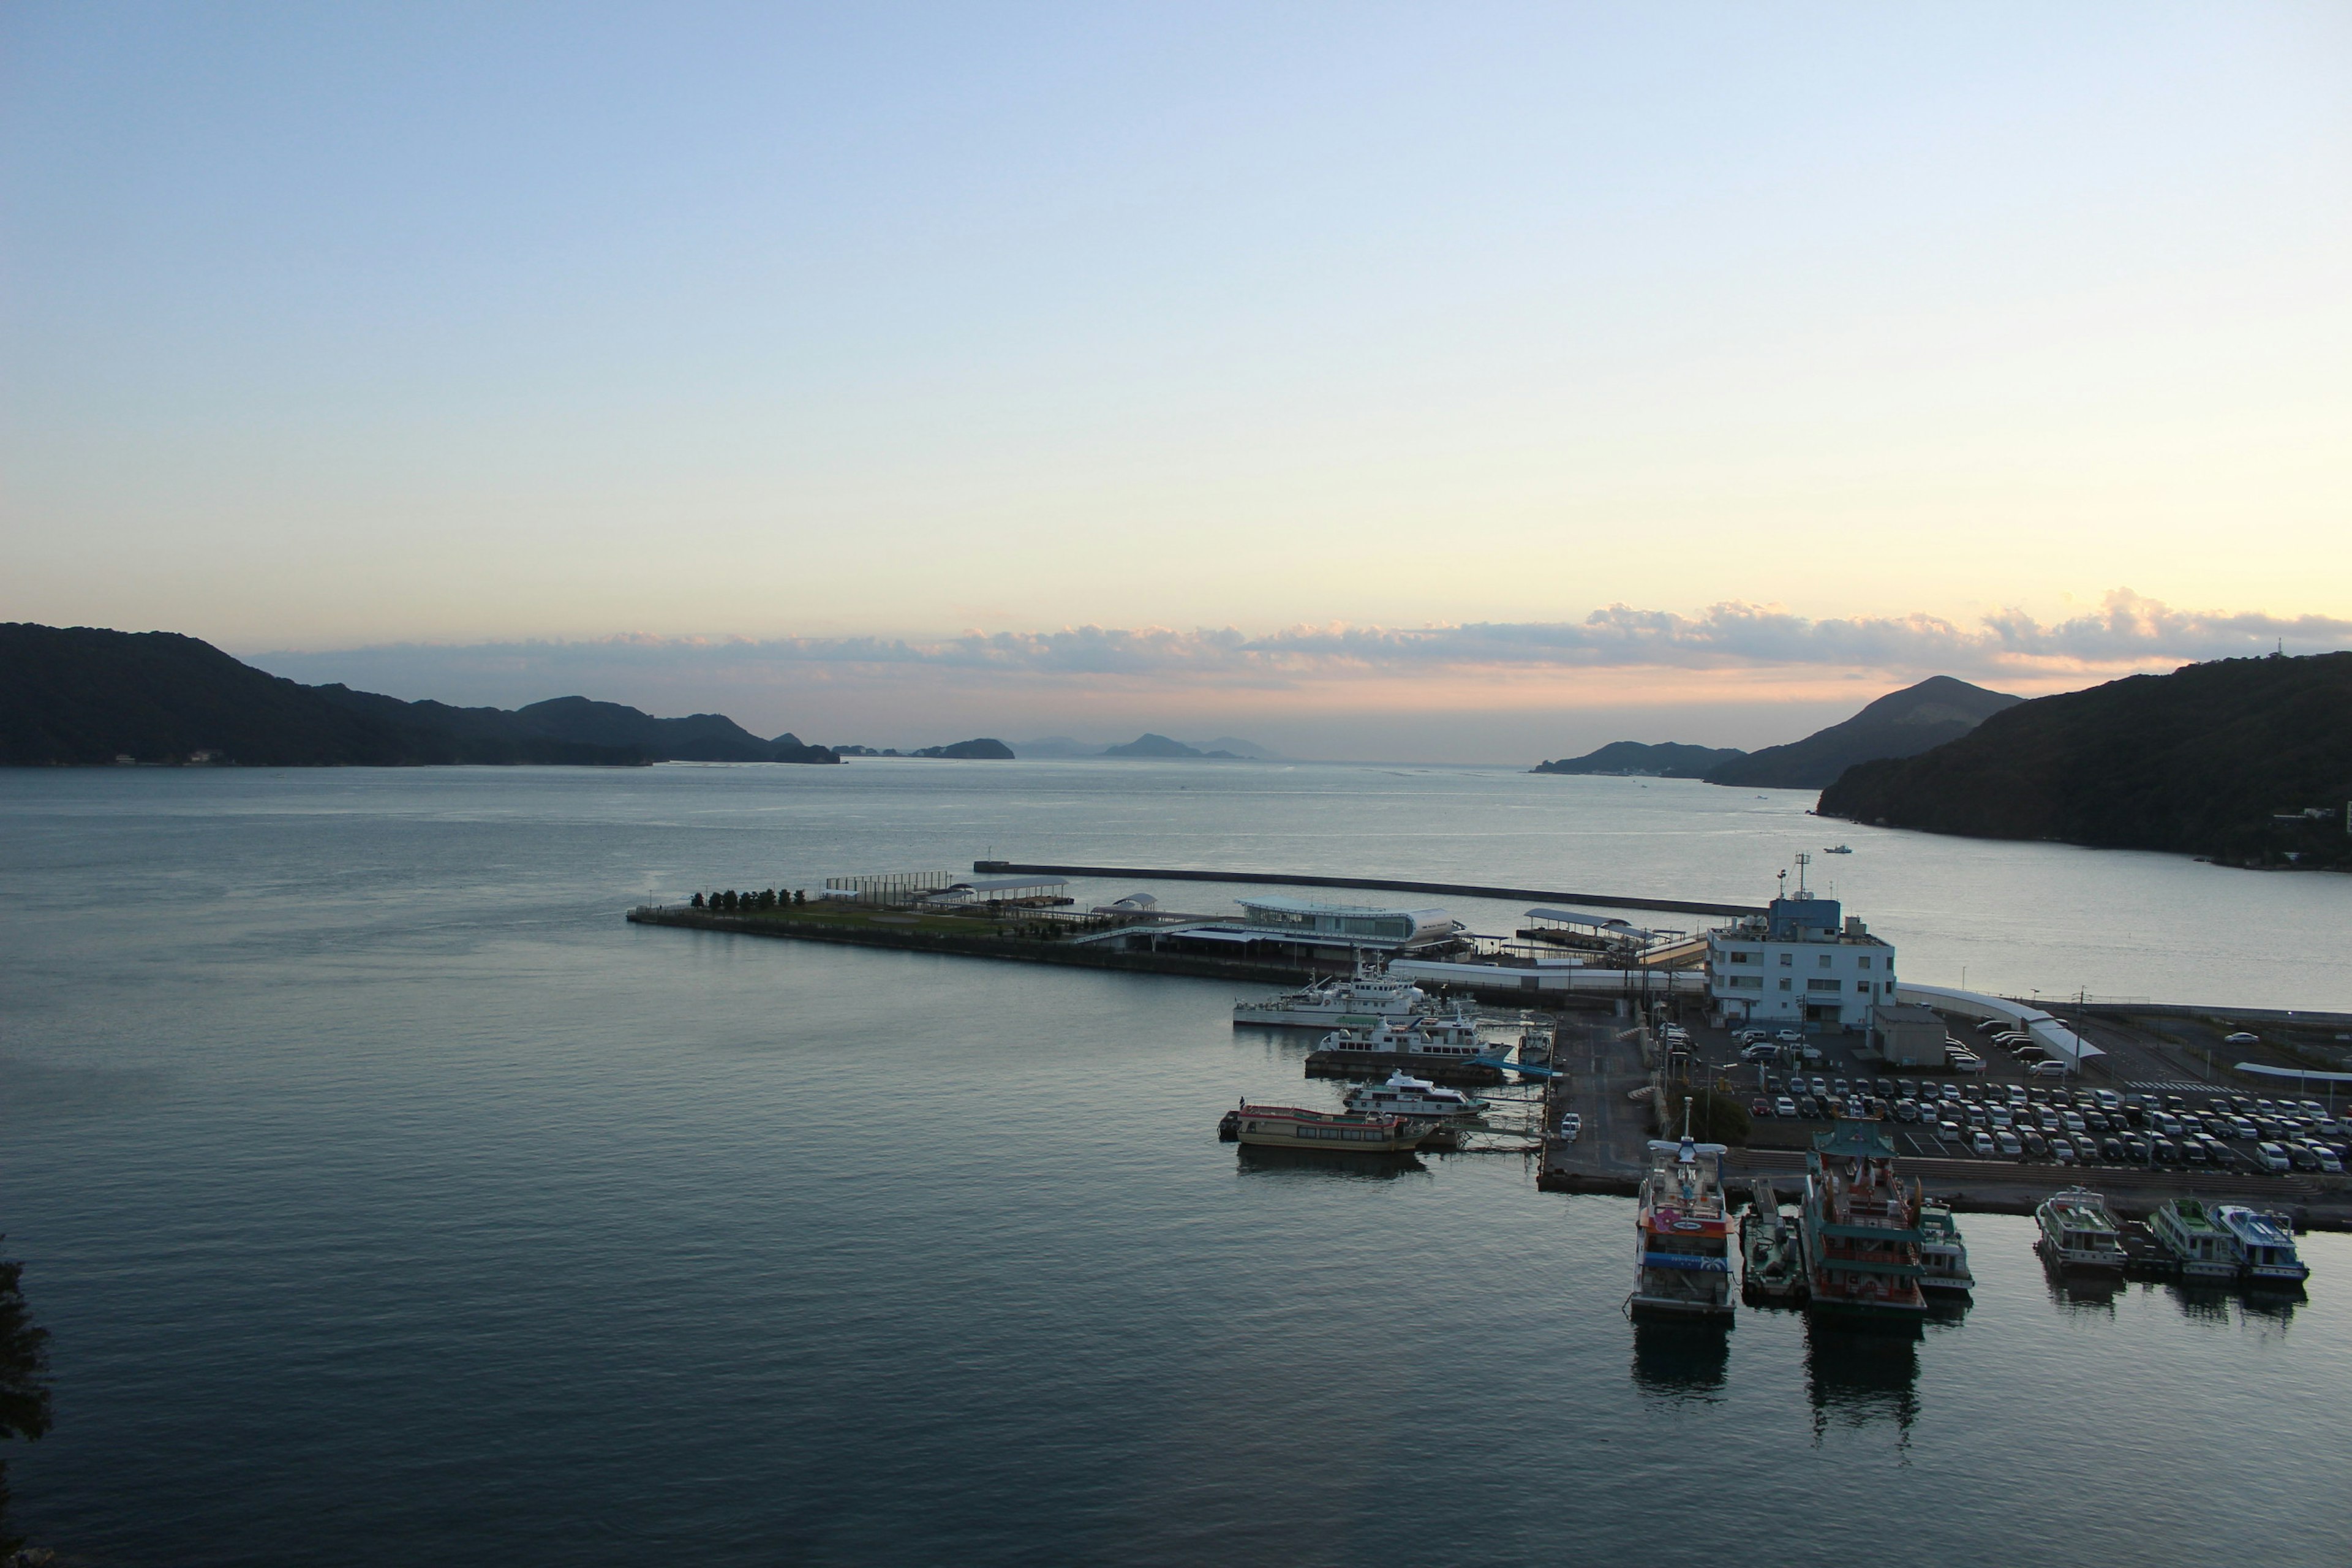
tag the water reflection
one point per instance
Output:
(1255, 1159)
(1681, 1360)
(2080, 1289)
(2203, 1303)
(2275, 1302)
(23, 1388)
(1861, 1372)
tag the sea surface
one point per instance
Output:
(392, 1201)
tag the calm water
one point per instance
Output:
(390, 1200)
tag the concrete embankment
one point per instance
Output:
(1377, 884)
(1023, 950)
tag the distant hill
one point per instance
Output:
(1900, 724)
(2219, 759)
(85, 695)
(981, 750)
(1151, 745)
(1666, 760)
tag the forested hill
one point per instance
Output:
(83, 695)
(2221, 758)
(1899, 724)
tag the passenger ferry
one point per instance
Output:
(1860, 1225)
(1454, 1038)
(1404, 1095)
(1943, 1255)
(2267, 1242)
(1291, 1127)
(2190, 1233)
(1366, 998)
(1683, 1247)
(2077, 1232)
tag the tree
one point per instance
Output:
(24, 1383)
(697, 901)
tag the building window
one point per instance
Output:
(1821, 985)
(1787, 959)
(1865, 962)
(1784, 984)
(1826, 961)
(1743, 958)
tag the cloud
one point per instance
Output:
(2127, 632)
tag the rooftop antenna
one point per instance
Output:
(1784, 884)
(1802, 861)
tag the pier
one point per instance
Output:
(1377, 884)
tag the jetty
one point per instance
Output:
(1377, 884)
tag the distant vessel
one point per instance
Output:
(1404, 1095)
(2267, 1242)
(1359, 1001)
(2077, 1232)
(1860, 1225)
(1772, 1266)
(1838, 849)
(2191, 1235)
(1683, 1256)
(1293, 1126)
(1943, 1255)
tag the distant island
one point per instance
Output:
(1633, 759)
(1230, 747)
(1899, 724)
(83, 695)
(1151, 745)
(982, 749)
(2247, 761)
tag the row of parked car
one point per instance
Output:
(2082, 1125)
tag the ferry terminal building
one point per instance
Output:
(1804, 961)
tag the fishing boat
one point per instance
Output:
(2077, 1231)
(2267, 1242)
(1772, 1266)
(1860, 1227)
(2198, 1244)
(1683, 1246)
(1359, 1001)
(1405, 1095)
(1943, 1255)
(1293, 1126)
(1536, 1046)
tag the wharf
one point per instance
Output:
(1377, 884)
(1601, 1063)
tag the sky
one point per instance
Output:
(1478, 381)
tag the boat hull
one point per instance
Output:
(1673, 1306)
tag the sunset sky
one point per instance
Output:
(1374, 380)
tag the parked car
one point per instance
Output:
(1907, 1111)
(1810, 1108)
(2271, 1157)
(1784, 1106)
(2062, 1150)
(1759, 1107)
(2163, 1150)
(2036, 1144)
(2330, 1161)
(2302, 1157)
(2242, 1038)
(2009, 1144)
(1982, 1145)
(2047, 1069)
(2111, 1151)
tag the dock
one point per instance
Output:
(1375, 884)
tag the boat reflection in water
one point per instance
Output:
(2079, 1289)
(1251, 1159)
(1862, 1371)
(1681, 1359)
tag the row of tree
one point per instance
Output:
(732, 902)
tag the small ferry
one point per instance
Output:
(1839, 849)
(2198, 1244)
(2267, 1242)
(1860, 1225)
(2077, 1231)
(1454, 1038)
(1293, 1126)
(1943, 1255)
(1361, 1000)
(1683, 1246)
(1772, 1265)
(1405, 1095)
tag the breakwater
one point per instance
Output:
(1377, 884)
(1026, 949)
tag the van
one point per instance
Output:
(2046, 1069)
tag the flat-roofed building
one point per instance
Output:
(1801, 961)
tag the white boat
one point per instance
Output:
(1367, 997)
(1943, 1255)
(2267, 1242)
(1454, 1039)
(2077, 1232)
(1683, 1246)
(1404, 1095)
(2203, 1247)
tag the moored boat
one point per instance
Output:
(2077, 1231)
(1358, 1001)
(2198, 1244)
(1295, 1127)
(1454, 1038)
(1861, 1226)
(1405, 1095)
(1683, 1247)
(2266, 1241)
(1772, 1266)
(1943, 1255)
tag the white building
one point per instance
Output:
(1404, 928)
(1801, 962)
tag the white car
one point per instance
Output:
(2046, 1069)
(2270, 1156)
(1791, 1037)
(1570, 1125)
(2242, 1039)
(1982, 1145)
(2326, 1158)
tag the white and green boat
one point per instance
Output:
(2077, 1231)
(1943, 1255)
(2197, 1242)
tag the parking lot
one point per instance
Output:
(2001, 1113)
